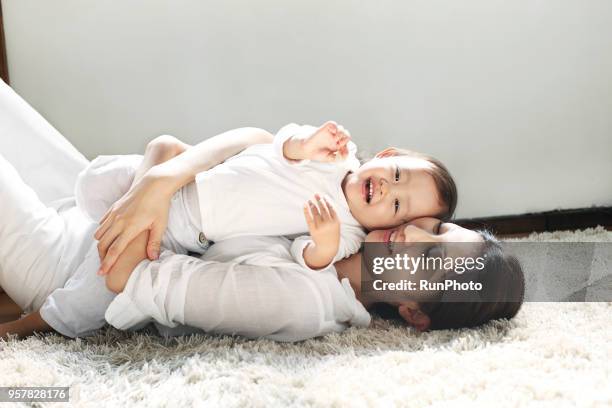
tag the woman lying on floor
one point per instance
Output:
(249, 286)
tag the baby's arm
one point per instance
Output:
(327, 143)
(324, 228)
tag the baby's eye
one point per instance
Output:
(397, 174)
(396, 205)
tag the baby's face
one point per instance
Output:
(386, 192)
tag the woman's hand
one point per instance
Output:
(144, 207)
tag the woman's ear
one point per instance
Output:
(388, 152)
(412, 314)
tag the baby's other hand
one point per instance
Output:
(323, 225)
(327, 143)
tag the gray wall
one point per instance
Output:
(515, 96)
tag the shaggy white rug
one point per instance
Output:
(552, 354)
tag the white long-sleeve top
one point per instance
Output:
(259, 192)
(249, 286)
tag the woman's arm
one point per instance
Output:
(180, 289)
(120, 272)
(159, 150)
(145, 206)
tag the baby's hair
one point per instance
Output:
(445, 184)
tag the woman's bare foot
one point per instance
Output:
(9, 310)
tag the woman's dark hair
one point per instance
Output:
(503, 285)
(445, 184)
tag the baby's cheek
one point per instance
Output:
(377, 217)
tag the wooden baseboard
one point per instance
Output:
(544, 221)
(4, 74)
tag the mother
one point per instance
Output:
(142, 209)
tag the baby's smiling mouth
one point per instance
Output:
(368, 190)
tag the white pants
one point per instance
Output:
(48, 256)
(44, 159)
(40, 248)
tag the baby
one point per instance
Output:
(260, 191)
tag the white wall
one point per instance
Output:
(515, 96)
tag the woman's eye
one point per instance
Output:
(396, 205)
(434, 252)
(397, 174)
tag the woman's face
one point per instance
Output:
(413, 239)
(425, 229)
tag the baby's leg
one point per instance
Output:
(34, 246)
(103, 182)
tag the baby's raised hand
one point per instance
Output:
(328, 143)
(324, 228)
